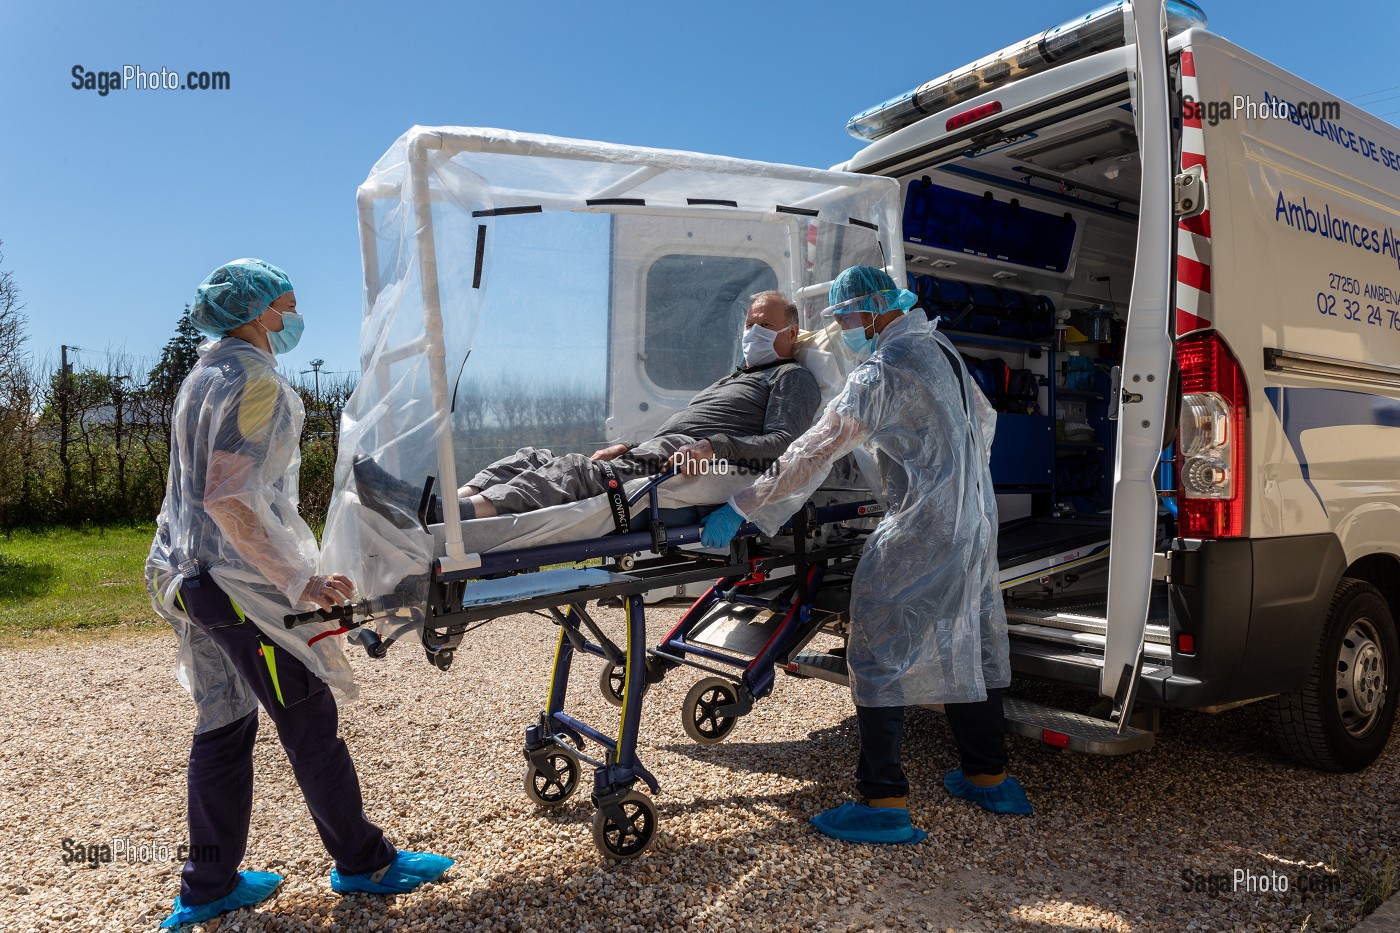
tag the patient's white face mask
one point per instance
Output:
(758, 345)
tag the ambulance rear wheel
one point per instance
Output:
(550, 790)
(700, 715)
(1343, 716)
(628, 839)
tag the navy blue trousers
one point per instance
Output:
(220, 773)
(979, 731)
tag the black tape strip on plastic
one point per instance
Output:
(480, 254)
(862, 223)
(504, 211)
(805, 212)
(713, 202)
(616, 202)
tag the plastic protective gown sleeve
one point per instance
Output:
(231, 504)
(794, 476)
(927, 620)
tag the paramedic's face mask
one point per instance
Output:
(286, 337)
(857, 324)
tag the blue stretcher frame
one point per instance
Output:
(558, 732)
(454, 608)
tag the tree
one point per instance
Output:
(16, 400)
(177, 358)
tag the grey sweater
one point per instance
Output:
(751, 415)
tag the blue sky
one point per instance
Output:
(113, 208)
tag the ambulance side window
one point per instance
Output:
(695, 308)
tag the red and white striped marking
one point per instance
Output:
(1193, 287)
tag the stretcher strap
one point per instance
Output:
(617, 499)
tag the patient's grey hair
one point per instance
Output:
(789, 306)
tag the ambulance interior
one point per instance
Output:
(1022, 248)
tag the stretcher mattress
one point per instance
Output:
(589, 518)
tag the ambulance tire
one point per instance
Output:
(1343, 716)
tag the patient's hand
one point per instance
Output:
(687, 460)
(611, 452)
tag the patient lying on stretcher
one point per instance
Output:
(749, 416)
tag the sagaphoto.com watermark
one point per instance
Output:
(1247, 881)
(134, 77)
(125, 850)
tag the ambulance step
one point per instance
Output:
(821, 665)
(1064, 729)
(1078, 732)
(1088, 619)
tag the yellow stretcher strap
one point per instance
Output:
(270, 659)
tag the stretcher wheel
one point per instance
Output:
(630, 839)
(550, 791)
(611, 683)
(700, 715)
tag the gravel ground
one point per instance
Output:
(99, 732)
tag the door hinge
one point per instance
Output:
(1189, 192)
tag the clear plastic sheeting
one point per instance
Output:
(926, 627)
(530, 291)
(231, 510)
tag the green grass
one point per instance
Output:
(71, 580)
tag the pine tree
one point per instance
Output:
(177, 358)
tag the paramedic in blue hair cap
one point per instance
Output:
(927, 621)
(231, 557)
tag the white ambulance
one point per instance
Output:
(1220, 241)
(1173, 267)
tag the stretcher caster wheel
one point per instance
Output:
(551, 790)
(612, 683)
(630, 839)
(700, 714)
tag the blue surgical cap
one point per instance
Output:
(235, 293)
(860, 281)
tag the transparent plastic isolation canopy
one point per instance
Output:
(526, 290)
(1105, 28)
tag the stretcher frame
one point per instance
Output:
(528, 580)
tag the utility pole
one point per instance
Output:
(65, 385)
(316, 369)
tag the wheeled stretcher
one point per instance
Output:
(811, 552)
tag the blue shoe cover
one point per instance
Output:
(253, 887)
(1007, 797)
(407, 871)
(856, 822)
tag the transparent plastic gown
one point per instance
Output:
(927, 620)
(231, 505)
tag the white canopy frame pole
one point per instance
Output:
(435, 349)
(365, 200)
(369, 248)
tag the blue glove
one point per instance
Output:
(719, 527)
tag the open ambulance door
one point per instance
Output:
(1145, 372)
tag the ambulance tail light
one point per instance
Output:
(1104, 28)
(1211, 439)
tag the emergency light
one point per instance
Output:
(1104, 28)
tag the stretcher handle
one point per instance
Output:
(649, 486)
(338, 614)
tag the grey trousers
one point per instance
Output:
(533, 478)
